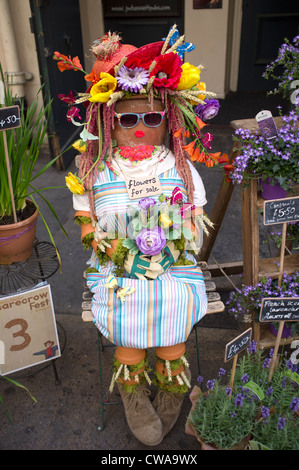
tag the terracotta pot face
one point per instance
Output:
(140, 134)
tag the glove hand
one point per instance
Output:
(143, 267)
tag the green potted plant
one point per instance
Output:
(22, 145)
(254, 413)
(245, 302)
(273, 161)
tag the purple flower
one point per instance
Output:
(207, 110)
(265, 412)
(245, 378)
(281, 423)
(151, 241)
(294, 406)
(132, 79)
(221, 372)
(210, 384)
(200, 379)
(239, 400)
(228, 390)
(252, 347)
(146, 203)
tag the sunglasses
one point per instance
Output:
(129, 120)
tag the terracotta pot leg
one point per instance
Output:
(173, 378)
(131, 376)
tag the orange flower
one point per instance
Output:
(92, 77)
(215, 156)
(200, 123)
(178, 133)
(67, 63)
(195, 155)
(210, 163)
(187, 133)
(202, 157)
(224, 158)
(189, 148)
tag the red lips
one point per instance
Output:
(139, 134)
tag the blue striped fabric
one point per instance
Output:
(161, 312)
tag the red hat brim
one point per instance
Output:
(144, 55)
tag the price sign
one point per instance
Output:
(279, 211)
(237, 345)
(279, 309)
(28, 333)
(9, 118)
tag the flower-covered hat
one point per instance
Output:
(155, 70)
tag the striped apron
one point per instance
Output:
(160, 312)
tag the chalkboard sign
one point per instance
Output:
(279, 309)
(279, 211)
(237, 345)
(9, 118)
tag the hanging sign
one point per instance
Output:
(28, 333)
(143, 187)
(279, 211)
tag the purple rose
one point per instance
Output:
(208, 110)
(151, 241)
(146, 203)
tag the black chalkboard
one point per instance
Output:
(279, 309)
(237, 345)
(9, 117)
(279, 211)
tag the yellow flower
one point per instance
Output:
(190, 76)
(79, 145)
(165, 221)
(201, 86)
(101, 91)
(74, 184)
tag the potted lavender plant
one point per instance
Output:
(255, 413)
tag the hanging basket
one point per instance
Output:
(16, 240)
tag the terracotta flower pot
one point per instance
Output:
(129, 356)
(16, 240)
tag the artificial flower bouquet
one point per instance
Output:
(261, 158)
(254, 413)
(160, 232)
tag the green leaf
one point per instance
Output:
(253, 387)
(254, 445)
(129, 243)
(187, 233)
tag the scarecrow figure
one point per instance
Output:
(139, 199)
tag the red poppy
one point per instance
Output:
(167, 71)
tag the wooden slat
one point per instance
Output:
(215, 307)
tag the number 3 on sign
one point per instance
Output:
(20, 333)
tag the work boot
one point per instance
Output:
(168, 406)
(141, 416)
